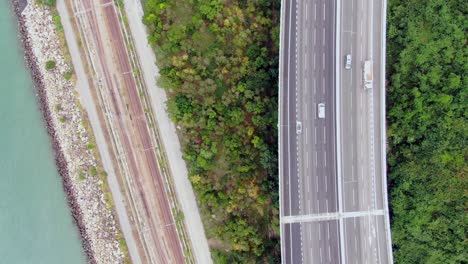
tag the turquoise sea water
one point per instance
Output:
(35, 222)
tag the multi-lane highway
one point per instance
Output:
(332, 168)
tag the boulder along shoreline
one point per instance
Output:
(96, 222)
(60, 161)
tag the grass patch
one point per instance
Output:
(103, 176)
(93, 171)
(123, 246)
(81, 176)
(57, 21)
(68, 75)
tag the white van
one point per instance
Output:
(321, 110)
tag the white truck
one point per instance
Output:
(368, 74)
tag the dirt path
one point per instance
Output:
(132, 144)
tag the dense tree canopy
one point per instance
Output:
(427, 117)
(219, 63)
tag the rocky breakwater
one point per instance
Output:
(75, 159)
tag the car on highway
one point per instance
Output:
(298, 127)
(321, 110)
(348, 61)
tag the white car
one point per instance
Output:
(298, 127)
(348, 61)
(321, 110)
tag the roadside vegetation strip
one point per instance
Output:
(98, 170)
(103, 177)
(152, 125)
(427, 117)
(77, 164)
(218, 62)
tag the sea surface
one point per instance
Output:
(35, 222)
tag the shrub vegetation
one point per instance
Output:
(50, 65)
(219, 63)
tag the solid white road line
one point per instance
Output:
(329, 216)
(288, 123)
(288, 115)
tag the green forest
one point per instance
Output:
(427, 129)
(218, 62)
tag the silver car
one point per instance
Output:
(298, 127)
(348, 61)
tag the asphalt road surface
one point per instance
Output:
(332, 182)
(309, 165)
(363, 183)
